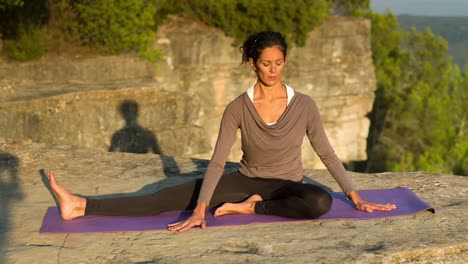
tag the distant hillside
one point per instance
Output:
(452, 29)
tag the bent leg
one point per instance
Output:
(231, 187)
(293, 200)
(235, 187)
(296, 200)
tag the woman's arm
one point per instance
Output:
(324, 150)
(321, 145)
(227, 134)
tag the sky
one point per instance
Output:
(422, 7)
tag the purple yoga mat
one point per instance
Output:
(405, 199)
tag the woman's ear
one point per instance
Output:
(252, 64)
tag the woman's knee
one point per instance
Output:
(319, 204)
(325, 202)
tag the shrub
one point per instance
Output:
(9, 3)
(30, 43)
(240, 18)
(116, 26)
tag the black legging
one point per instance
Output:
(280, 197)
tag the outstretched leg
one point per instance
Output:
(71, 206)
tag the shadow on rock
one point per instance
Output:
(133, 138)
(10, 192)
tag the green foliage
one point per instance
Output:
(111, 26)
(420, 107)
(63, 20)
(240, 18)
(386, 55)
(10, 3)
(31, 43)
(351, 7)
(115, 26)
(452, 29)
(33, 13)
(432, 108)
(166, 7)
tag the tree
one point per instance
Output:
(240, 18)
(419, 111)
(10, 3)
(351, 7)
(21, 28)
(115, 26)
(387, 58)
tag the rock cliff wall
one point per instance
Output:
(200, 74)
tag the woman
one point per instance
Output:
(273, 119)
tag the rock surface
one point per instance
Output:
(145, 118)
(422, 238)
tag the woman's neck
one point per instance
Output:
(269, 93)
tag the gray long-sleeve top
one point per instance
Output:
(272, 151)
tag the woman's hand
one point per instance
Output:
(197, 219)
(369, 206)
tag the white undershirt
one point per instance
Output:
(289, 92)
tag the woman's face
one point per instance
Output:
(269, 66)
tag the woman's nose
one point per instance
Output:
(273, 68)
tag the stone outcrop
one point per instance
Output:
(161, 121)
(80, 95)
(422, 238)
(334, 67)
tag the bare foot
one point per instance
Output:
(71, 206)
(245, 207)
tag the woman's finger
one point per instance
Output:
(178, 225)
(189, 225)
(174, 224)
(385, 206)
(367, 208)
(186, 227)
(382, 207)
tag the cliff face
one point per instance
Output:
(334, 67)
(421, 238)
(76, 101)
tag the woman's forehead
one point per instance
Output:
(271, 54)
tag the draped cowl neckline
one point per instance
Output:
(285, 122)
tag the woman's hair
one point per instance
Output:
(256, 43)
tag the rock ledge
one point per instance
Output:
(422, 238)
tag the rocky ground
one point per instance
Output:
(422, 238)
